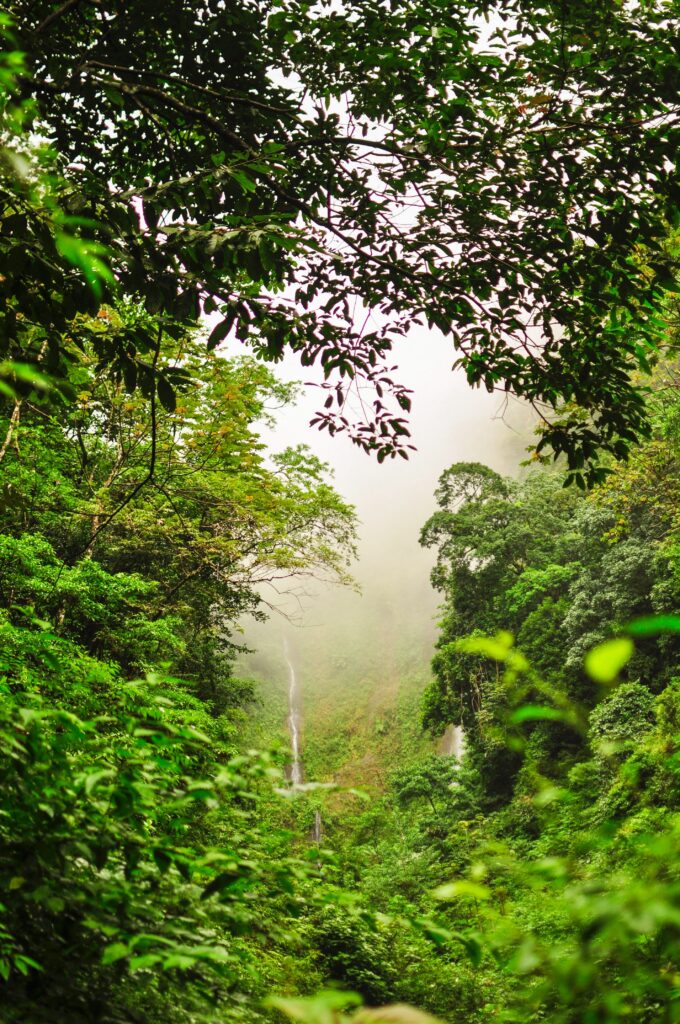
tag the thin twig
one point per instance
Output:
(55, 15)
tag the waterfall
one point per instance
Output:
(294, 720)
(293, 717)
(453, 742)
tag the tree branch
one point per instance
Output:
(55, 15)
(152, 462)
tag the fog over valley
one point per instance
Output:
(359, 654)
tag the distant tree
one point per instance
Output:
(560, 570)
(429, 780)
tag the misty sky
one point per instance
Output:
(450, 422)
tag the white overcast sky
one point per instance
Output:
(450, 422)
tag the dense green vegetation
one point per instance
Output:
(130, 821)
(537, 879)
(142, 848)
(543, 867)
(318, 179)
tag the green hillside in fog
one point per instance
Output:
(362, 670)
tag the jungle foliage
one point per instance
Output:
(320, 178)
(537, 878)
(133, 849)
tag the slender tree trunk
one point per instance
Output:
(12, 428)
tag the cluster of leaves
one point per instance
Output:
(142, 872)
(309, 171)
(129, 846)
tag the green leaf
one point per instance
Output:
(88, 257)
(246, 183)
(139, 963)
(604, 662)
(220, 332)
(29, 962)
(652, 625)
(179, 960)
(462, 888)
(94, 778)
(116, 951)
(321, 1008)
(166, 394)
(27, 372)
(537, 713)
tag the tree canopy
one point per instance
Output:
(325, 177)
(561, 570)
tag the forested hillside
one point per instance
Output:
(190, 191)
(536, 877)
(542, 867)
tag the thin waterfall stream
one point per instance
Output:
(294, 722)
(453, 742)
(294, 716)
